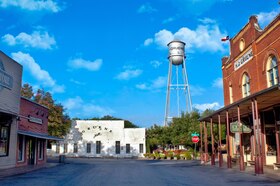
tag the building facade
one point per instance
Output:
(251, 97)
(10, 85)
(101, 138)
(32, 133)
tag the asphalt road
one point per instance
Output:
(119, 172)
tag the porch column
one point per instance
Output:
(252, 137)
(220, 142)
(212, 142)
(241, 153)
(205, 144)
(259, 160)
(201, 144)
(228, 145)
(276, 137)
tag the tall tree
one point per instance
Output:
(27, 91)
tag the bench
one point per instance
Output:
(250, 163)
(276, 166)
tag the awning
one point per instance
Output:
(38, 135)
(267, 99)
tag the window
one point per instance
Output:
(245, 85)
(41, 148)
(127, 147)
(75, 147)
(272, 71)
(118, 147)
(65, 149)
(21, 142)
(98, 147)
(230, 95)
(88, 147)
(4, 140)
(57, 150)
(141, 148)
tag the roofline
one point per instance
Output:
(241, 101)
(34, 102)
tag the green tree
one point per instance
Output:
(26, 91)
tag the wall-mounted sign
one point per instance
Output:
(235, 128)
(5, 79)
(35, 120)
(243, 59)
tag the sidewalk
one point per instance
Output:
(269, 172)
(24, 169)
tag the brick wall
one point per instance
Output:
(31, 109)
(263, 44)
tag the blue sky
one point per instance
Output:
(110, 57)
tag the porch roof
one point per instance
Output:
(266, 99)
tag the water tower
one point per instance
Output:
(177, 86)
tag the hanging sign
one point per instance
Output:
(235, 128)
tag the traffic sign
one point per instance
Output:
(195, 139)
(195, 134)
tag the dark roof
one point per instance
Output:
(39, 135)
(266, 99)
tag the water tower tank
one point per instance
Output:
(176, 52)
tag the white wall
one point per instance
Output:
(106, 131)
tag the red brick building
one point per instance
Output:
(251, 97)
(32, 133)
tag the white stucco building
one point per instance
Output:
(101, 138)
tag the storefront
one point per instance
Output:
(252, 99)
(32, 133)
(10, 85)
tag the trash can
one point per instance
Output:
(61, 158)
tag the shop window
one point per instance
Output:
(4, 140)
(65, 149)
(98, 147)
(127, 147)
(141, 148)
(21, 147)
(41, 148)
(245, 85)
(272, 71)
(57, 150)
(75, 148)
(88, 147)
(118, 147)
(270, 140)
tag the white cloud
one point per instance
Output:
(155, 63)
(37, 72)
(146, 8)
(32, 5)
(196, 90)
(203, 107)
(129, 73)
(207, 21)
(218, 83)
(77, 82)
(206, 37)
(36, 40)
(77, 107)
(168, 20)
(148, 41)
(264, 18)
(80, 63)
(155, 84)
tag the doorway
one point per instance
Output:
(31, 151)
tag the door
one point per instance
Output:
(31, 151)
